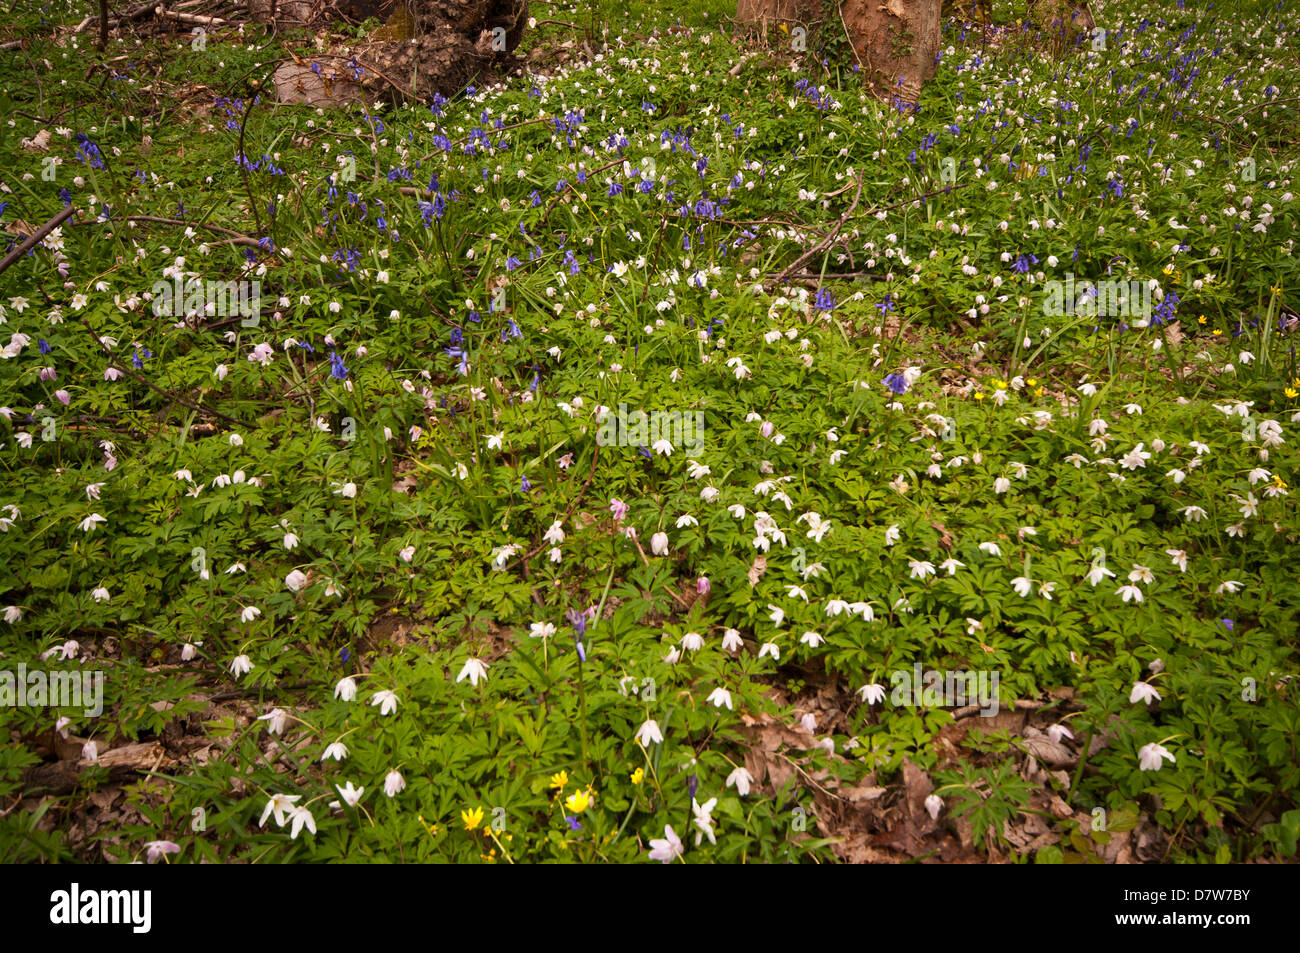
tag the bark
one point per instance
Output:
(424, 47)
(894, 41)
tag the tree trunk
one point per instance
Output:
(894, 41)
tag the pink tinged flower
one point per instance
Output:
(295, 581)
(346, 689)
(1057, 732)
(276, 720)
(241, 665)
(1143, 692)
(394, 783)
(62, 725)
(1150, 757)
(188, 651)
(872, 694)
(659, 544)
(90, 752)
(156, 850)
(618, 508)
(386, 700)
(933, 805)
(63, 397)
(667, 848)
(740, 779)
(649, 733)
(692, 641)
(301, 817)
(703, 586)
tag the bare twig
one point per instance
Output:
(36, 237)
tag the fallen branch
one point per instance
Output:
(236, 238)
(36, 237)
(191, 18)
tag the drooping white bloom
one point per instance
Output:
(241, 665)
(351, 795)
(475, 670)
(278, 805)
(649, 733)
(667, 848)
(1150, 757)
(394, 783)
(1143, 692)
(740, 779)
(276, 719)
(386, 700)
(346, 689)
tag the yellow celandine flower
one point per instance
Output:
(979, 395)
(1201, 319)
(559, 780)
(1279, 482)
(1217, 332)
(579, 801)
(1291, 392)
(472, 818)
(638, 775)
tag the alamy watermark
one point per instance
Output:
(947, 689)
(684, 429)
(40, 689)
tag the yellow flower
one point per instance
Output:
(472, 818)
(1038, 392)
(558, 781)
(1291, 392)
(979, 395)
(1279, 482)
(638, 775)
(1201, 319)
(1217, 332)
(578, 801)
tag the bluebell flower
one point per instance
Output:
(896, 383)
(337, 370)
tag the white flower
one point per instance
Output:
(554, 534)
(276, 720)
(290, 540)
(91, 521)
(892, 535)
(541, 630)
(346, 689)
(811, 639)
(777, 614)
(720, 698)
(770, 648)
(1141, 574)
(920, 569)
(704, 820)
(1150, 757)
(933, 805)
(1001, 485)
(731, 641)
(240, 666)
(1230, 586)
(659, 543)
(872, 694)
(1022, 585)
(351, 795)
(474, 670)
(740, 779)
(338, 751)
(1097, 573)
(100, 595)
(950, 566)
(277, 805)
(649, 733)
(1178, 557)
(666, 848)
(494, 441)
(386, 700)
(249, 613)
(1143, 692)
(1193, 514)
(394, 783)
(295, 580)
(991, 548)
(406, 554)
(347, 490)
(1129, 592)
